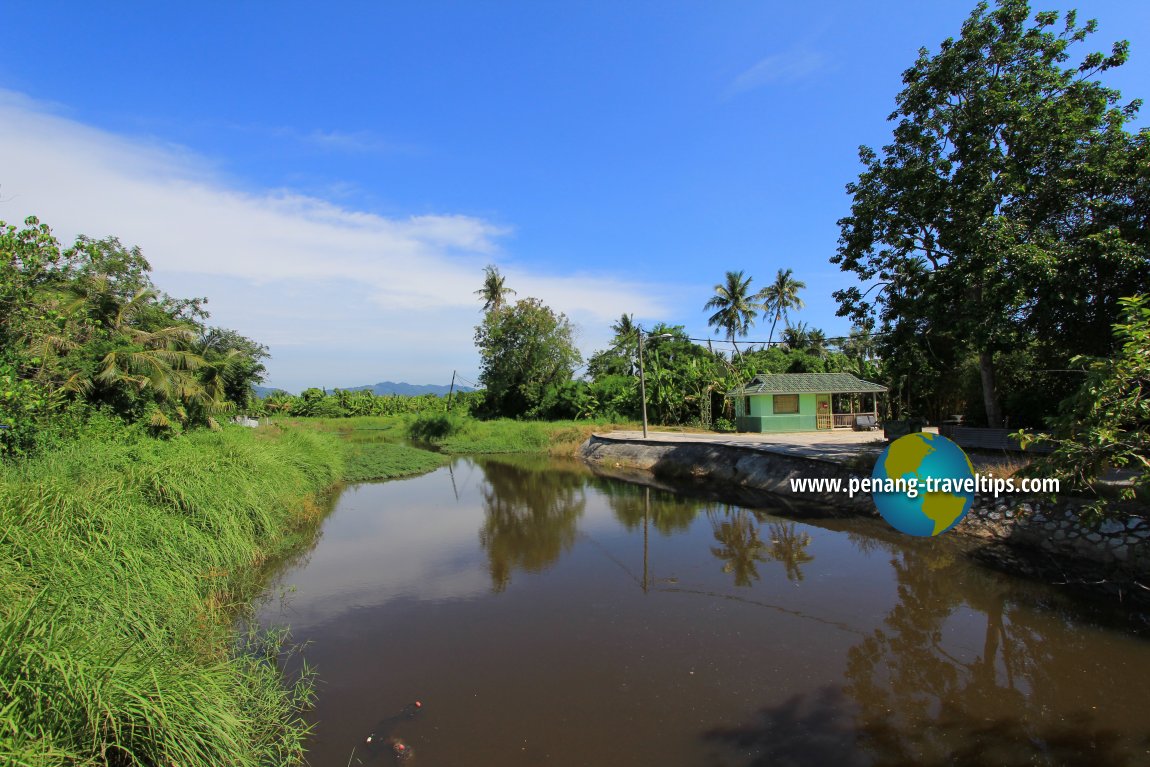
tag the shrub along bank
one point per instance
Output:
(462, 434)
(451, 434)
(122, 565)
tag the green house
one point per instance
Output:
(804, 402)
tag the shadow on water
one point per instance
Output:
(821, 728)
(910, 697)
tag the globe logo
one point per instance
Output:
(923, 484)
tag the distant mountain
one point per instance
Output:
(263, 392)
(409, 390)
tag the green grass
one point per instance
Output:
(123, 567)
(461, 435)
(454, 434)
(387, 460)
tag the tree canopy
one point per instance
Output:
(526, 352)
(780, 297)
(1010, 207)
(494, 292)
(84, 328)
(735, 307)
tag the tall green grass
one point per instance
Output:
(122, 567)
(458, 435)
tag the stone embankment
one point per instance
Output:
(1039, 536)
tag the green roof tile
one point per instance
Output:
(806, 383)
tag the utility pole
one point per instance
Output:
(451, 391)
(642, 384)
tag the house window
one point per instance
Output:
(786, 404)
(747, 405)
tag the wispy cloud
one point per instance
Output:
(792, 65)
(343, 296)
(356, 142)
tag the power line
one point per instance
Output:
(778, 342)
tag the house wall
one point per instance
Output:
(763, 419)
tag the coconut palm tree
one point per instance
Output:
(736, 309)
(493, 291)
(626, 340)
(779, 297)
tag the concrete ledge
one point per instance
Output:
(737, 469)
(1038, 537)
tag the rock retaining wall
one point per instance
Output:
(1040, 536)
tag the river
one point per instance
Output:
(544, 616)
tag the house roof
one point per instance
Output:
(806, 383)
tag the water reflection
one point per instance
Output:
(681, 639)
(962, 670)
(638, 506)
(742, 547)
(530, 517)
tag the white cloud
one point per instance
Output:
(789, 66)
(349, 297)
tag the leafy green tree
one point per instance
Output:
(1106, 424)
(780, 297)
(735, 308)
(233, 364)
(525, 350)
(1010, 179)
(494, 293)
(84, 328)
(620, 358)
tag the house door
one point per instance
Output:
(823, 417)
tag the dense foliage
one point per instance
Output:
(526, 353)
(83, 328)
(997, 232)
(1106, 424)
(123, 562)
(347, 403)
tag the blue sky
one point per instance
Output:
(335, 178)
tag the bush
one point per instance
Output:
(436, 426)
(723, 424)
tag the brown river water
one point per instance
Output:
(544, 616)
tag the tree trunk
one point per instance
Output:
(990, 390)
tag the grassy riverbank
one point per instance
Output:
(122, 566)
(459, 435)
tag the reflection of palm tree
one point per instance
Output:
(790, 548)
(741, 547)
(530, 518)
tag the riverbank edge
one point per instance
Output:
(1036, 537)
(107, 701)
